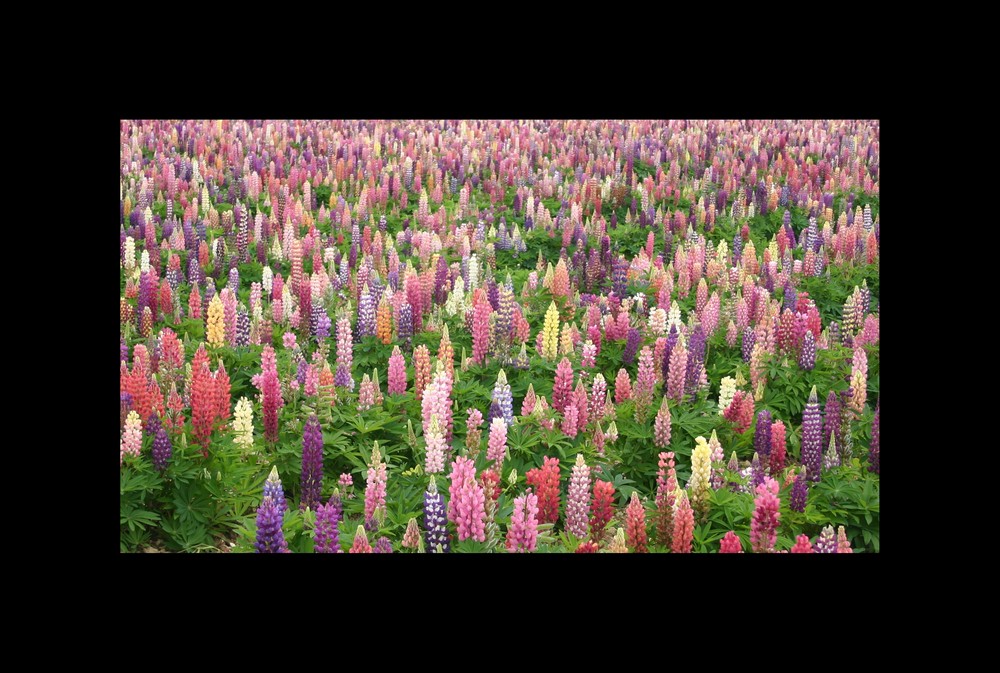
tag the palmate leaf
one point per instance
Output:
(138, 518)
(468, 546)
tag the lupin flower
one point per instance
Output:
(802, 545)
(550, 333)
(598, 438)
(274, 490)
(528, 403)
(826, 543)
(421, 370)
(843, 545)
(361, 545)
(545, 481)
(831, 458)
(833, 413)
(132, 437)
(473, 434)
(411, 538)
(601, 508)
(521, 360)
(435, 521)
(404, 326)
(153, 424)
(214, 323)
(740, 411)
(749, 341)
(366, 394)
(502, 395)
(326, 535)
(731, 334)
(718, 461)
(242, 328)
(204, 406)
(757, 472)
(366, 314)
(700, 485)
(645, 381)
(382, 546)
(631, 346)
(577, 503)
(807, 357)
(695, 366)
(497, 445)
(731, 544)
(243, 424)
(570, 420)
(312, 464)
(162, 449)
(383, 321)
(522, 534)
(710, 316)
(683, 534)
(762, 436)
(437, 400)
(734, 464)
(666, 485)
(467, 505)
(859, 379)
(812, 437)
(345, 355)
(480, 331)
(778, 449)
(270, 393)
(618, 545)
(764, 525)
(635, 525)
(758, 373)
(598, 392)
(727, 390)
(434, 460)
(376, 386)
(677, 372)
(560, 280)
(270, 537)
(800, 493)
(446, 352)
(611, 434)
(562, 388)
(661, 426)
(322, 323)
(126, 406)
(375, 486)
(623, 386)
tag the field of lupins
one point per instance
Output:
(514, 336)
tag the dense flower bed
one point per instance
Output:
(589, 336)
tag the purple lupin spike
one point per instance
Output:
(162, 449)
(435, 521)
(270, 537)
(812, 437)
(631, 346)
(312, 464)
(326, 536)
(800, 493)
(762, 435)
